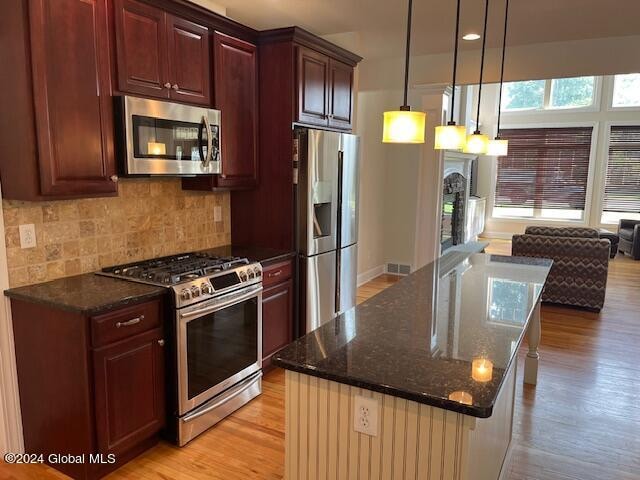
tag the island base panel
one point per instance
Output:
(414, 441)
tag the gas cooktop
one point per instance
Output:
(175, 269)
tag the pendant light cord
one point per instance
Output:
(484, 42)
(405, 105)
(504, 47)
(455, 63)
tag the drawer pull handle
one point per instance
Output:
(275, 274)
(128, 323)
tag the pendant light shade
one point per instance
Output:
(403, 125)
(499, 147)
(452, 136)
(477, 143)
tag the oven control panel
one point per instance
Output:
(211, 286)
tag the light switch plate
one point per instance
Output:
(27, 235)
(365, 415)
(217, 214)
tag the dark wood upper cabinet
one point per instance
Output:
(161, 55)
(340, 95)
(142, 62)
(236, 96)
(57, 125)
(313, 87)
(189, 61)
(129, 391)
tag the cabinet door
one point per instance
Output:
(277, 319)
(141, 44)
(189, 61)
(236, 96)
(72, 96)
(129, 391)
(313, 87)
(340, 95)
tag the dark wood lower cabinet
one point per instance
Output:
(277, 319)
(129, 391)
(82, 395)
(277, 309)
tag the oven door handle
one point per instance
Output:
(229, 395)
(219, 306)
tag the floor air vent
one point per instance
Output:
(398, 269)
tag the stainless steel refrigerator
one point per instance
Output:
(327, 166)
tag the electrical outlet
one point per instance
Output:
(365, 415)
(27, 235)
(217, 214)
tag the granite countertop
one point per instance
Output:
(417, 339)
(88, 294)
(258, 254)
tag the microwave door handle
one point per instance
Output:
(203, 126)
(207, 159)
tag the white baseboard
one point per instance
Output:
(369, 275)
(497, 235)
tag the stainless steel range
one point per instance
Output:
(217, 332)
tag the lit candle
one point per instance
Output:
(461, 397)
(482, 370)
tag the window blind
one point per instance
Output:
(547, 168)
(622, 187)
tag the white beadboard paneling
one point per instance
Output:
(414, 441)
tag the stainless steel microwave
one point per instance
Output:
(163, 138)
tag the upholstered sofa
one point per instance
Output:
(629, 233)
(578, 276)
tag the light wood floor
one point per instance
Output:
(582, 421)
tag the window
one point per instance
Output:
(572, 92)
(526, 95)
(561, 93)
(626, 91)
(622, 186)
(545, 174)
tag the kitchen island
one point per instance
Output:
(427, 367)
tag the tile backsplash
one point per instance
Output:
(149, 218)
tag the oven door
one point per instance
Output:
(163, 138)
(219, 344)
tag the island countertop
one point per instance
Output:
(418, 338)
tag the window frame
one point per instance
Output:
(604, 152)
(546, 103)
(591, 175)
(610, 85)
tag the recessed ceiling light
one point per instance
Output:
(471, 36)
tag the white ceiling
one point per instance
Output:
(376, 28)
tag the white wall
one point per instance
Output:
(600, 119)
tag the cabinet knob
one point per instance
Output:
(167, 85)
(113, 178)
(175, 86)
(161, 342)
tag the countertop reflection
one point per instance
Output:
(419, 338)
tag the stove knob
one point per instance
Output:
(185, 294)
(206, 289)
(243, 276)
(258, 272)
(195, 291)
(251, 274)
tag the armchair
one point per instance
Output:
(629, 233)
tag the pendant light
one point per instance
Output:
(404, 126)
(500, 147)
(477, 142)
(452, 136)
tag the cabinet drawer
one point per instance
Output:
(276, 273)
(125, 322)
